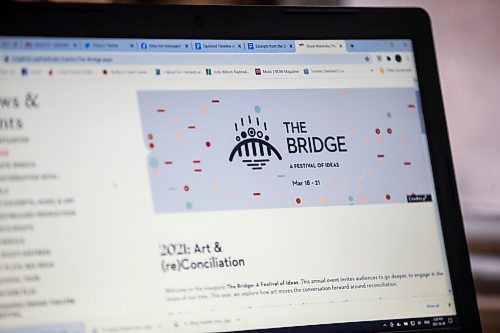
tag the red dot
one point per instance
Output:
(388, 196)
(298, 201)
(151, 145)
(208, 144)
(377, 131)
(150, 136)
(389, 130)
(186, 188)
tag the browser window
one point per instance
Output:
(216, 185)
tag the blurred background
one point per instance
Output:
(467, 40)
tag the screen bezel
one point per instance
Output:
(265, 22)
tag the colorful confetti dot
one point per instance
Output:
(150, 136)
(298, 201)
(257, 109)
(186, 188)
(388, 196)
(151, 145)
(377, 130)
(153, 162)
(208, 144)
(189, 205)
(389, 130)
(389, 115)
(351, 198)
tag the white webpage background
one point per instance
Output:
(107, 256)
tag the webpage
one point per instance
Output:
(202, 186)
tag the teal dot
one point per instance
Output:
(389, 115)
(153, 162)
(257, 109)
(189, 205)
(351, 198)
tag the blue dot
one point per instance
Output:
(389, 115)
(153, 162)
(257, 109)
(189, 205)
(351, 198)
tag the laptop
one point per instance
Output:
(214, 169)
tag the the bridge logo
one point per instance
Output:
(252, 143)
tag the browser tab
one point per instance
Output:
(35, 44)
(218, 46)
(108, 45)
(8, 43)
(71, 44)
(164, 46)
(41, 44)
(320, 46)
(270, 46)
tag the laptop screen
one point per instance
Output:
(216, 185)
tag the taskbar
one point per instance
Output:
(389, 325)
(395, 325)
